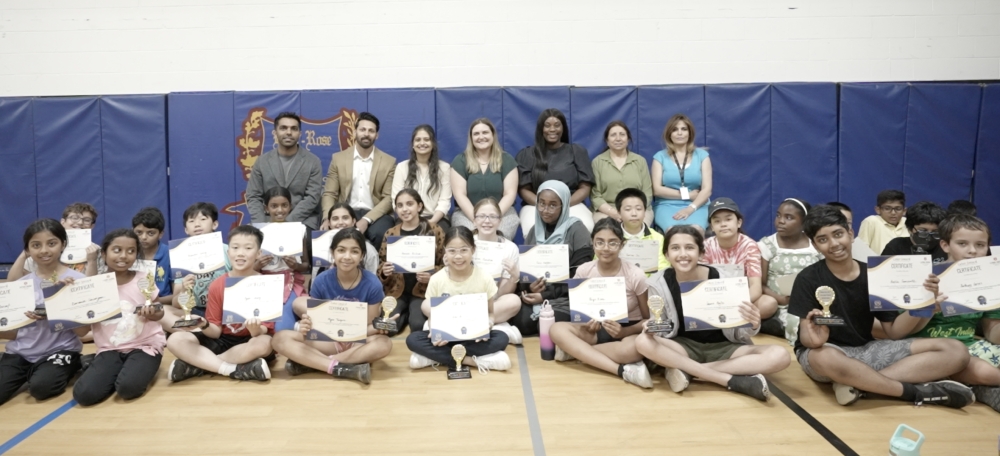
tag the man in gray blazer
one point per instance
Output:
(290, 166)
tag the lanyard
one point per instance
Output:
(680, 170)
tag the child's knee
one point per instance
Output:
(86, 396)
(131, 389)
(45, 389)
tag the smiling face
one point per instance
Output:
(365, 134)
(683, 252)
(278, 208)
(422, 143)
(617, 138)
(549, 206)
(78, 221)
(965, 244)
(407, 209)
(482, 137)
(834, 242)
(347, 254)
(607, 245)
(788, 220)
(287, 133)
(487, 219)
(552, 130)
(726, 224)
(341, 219)
(120, 254)
(243, 252)
(459, 254)
(44, 248)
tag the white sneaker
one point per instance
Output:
(562, 356)
(493, 361)
(637, 374)
(420, 361)
(677, 379)
(512, 332)
(846, 395)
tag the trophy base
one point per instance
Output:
(461, 373)
(158, 307)
(385, 325)
(658, 328)
(40, 311)
(187, 323)
(829, 321)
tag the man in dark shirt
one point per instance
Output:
(848, 355)
(922, 220)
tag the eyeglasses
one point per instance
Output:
(613, 245)
(77, 218)
(893, 209)
(489, 217)
(554, 207)
(462, 251)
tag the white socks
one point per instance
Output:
(227, 368)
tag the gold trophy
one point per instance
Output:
(147, 286)
(658, 323)
(460, 371)
(383, 323)
(187, 302)
(825, 295)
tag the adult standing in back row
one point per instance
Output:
(682, 178)
(552, 157)
(362, 176)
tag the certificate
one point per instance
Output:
(282, 240)
(321, 242)
(727, 271)
(16, 298)
(411, 253)
(714, 304)
(197, 255)
(644, 253)
(489, 257)
(259, 296)
(144, 267)
(548, 261)
(338, 321)
(87, 301)
(971, 285)
(785, 283)
(599, 298)
(77, 242)
(460, 317)
(896, 282)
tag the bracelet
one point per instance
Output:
(693, 206)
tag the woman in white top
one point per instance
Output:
(426, 174)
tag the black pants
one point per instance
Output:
(128, 374)
(528, 327)
(408, 309)
(376, 230)
(419, 342)
(46, 378)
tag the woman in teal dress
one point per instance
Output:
(682, 178)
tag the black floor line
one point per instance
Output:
(827, 434)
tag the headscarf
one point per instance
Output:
(558, 235)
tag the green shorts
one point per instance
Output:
(707, 353)
(986, 351)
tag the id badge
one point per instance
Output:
(685, 194)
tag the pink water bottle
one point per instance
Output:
(545, 320)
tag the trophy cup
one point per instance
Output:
(383, 323)
(187, 302)
(147, 286)
(460, 371)
(825, 295)
(658, 324)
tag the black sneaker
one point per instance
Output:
(754, 386)
(254, 370)
(179, 370)
(85, 361)
(359, 372)
(989, 395)
(293, 368)
(945, 392)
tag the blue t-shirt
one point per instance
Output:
(163, 281)
(369, 289)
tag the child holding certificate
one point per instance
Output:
(277, 206)
(964, 237)
(487, 215)
(130, 348)
(149, 224)
(409, 289)
(346, 281)
(785, 253)
(461, 277)
(608, 345)
(35, 354)
(199, 218)
(631, 206)
(237, 351)
(846, 354)
(76, 216)
(342, 215)
(731, 246)
(553, 225)
(726, 357)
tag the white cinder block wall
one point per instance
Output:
(86, 47)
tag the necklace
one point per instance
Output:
(353, 283)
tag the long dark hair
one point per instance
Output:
(433, 163)
(43, 225)
(121, 232)
(540, 150)
(354, 234)
(425, 226)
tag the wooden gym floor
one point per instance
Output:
(537, 407)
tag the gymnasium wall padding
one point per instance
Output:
(325, 114)
(657, 104)
(738, 120)
(456, 109)
(200, 135)
(872, 143)
(594, 107)
(134, 145)
(986, 182)
(942, 122)
(803, 143)
(17, 175)
(68, 159)
(398, 112)
(521, 107)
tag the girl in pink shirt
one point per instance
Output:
(129, 348)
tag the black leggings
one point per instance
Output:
(46, 377)
(419, 342)
(128, 374)
(408, 309)
(528, 327)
